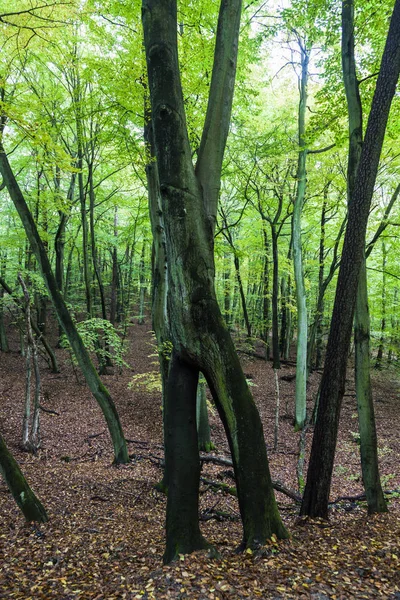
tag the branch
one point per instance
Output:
(217, 121)
(384, 223)
(321, 150)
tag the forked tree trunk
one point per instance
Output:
(316, 495)
(199, 336)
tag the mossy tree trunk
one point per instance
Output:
(200, 339)
(31, 507)
(316, 494)
(92, 378)
(365, 406)
(203, 424)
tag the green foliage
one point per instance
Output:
(101, 337)
(147, 382)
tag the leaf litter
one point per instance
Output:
(105, 538)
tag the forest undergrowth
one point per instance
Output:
(105, 537)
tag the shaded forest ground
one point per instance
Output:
(105, 537)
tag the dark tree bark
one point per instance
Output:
(316, 495)
(200, 339)
(365, 406)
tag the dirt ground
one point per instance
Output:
(105, 537)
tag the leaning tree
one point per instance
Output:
(316, 494)
(183, 209)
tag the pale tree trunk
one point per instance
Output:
(366, 418)
(114, 296)
(30, 431)
(301, 354)
(316, 494)
(142, 284)
(199, 336)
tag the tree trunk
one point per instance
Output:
(379, 356)
(23, 495)
(241, 292)
(142, 284)
(95, 385)
(365, 406)
(366, 417)
(265, 294)
(301, 353)
(316, 495)
(197, 331)
(203, 425)
(275, 299)
(3, 334)
(114, 303)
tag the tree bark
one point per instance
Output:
(301, 354)
(197, 331)
(316, 495)
(93, 380)
(31, 507)
(365, 406)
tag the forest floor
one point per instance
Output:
(105, 537)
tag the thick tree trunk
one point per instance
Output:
(196, 328)
(316, 495)
(182, 461)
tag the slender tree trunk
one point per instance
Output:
(301, 354)
(275, 299)
(242, 295)
(366, 418)
(114, 308)
(316, 326)
(49, 350)
(95, 258)
(3, 334)
(142, 284)
(265, 297)
(316, 494)
(379, 356)
(203, 425)
(96, 386)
